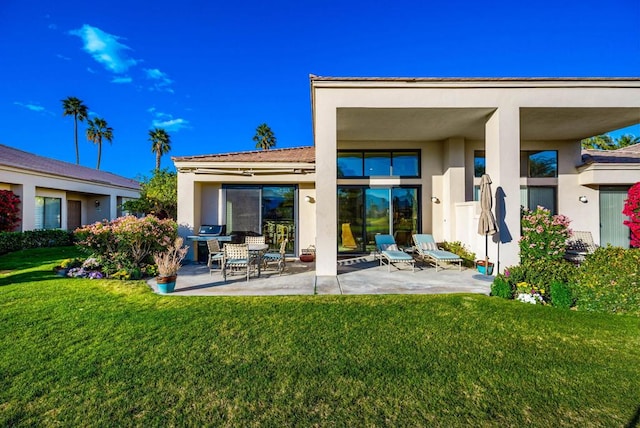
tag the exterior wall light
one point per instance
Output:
(583, 199)
(309, 199)
(435, 200)
(97, 203)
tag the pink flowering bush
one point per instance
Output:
(544, 236)
(127, 243)
(632, 210)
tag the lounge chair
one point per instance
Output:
(388, 251)
(428, 250)
(579, 246)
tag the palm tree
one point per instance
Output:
(72, 106)
(160, 143)
(98, 130)
(264, 137)
(627, 140)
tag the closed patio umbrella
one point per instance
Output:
(487, 223)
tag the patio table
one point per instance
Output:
(256, 251)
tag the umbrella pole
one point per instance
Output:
(486, 254)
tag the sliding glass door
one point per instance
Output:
(364, 212)
(262, 210)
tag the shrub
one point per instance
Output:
(561, 296)
(501, 287)
(9, 210)
(127, 243)
(632, 209)
(14, 241)
(609, 281)
(543, 236)
(468, 257)
(540, 274)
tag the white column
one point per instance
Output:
(326, 190)
(27, 195)
(186, 204)
(453, 185)
(502, 148)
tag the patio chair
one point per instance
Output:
(579, 246)
(216, 255)
(428, 250)
(236, 259)
(276, 258)
(388, 251)
(254, 239)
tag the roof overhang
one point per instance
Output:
(609, 174)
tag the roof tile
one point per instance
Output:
(293, 154)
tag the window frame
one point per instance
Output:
(392, 154)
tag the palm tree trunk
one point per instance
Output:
(99, 153)
(75, 133)
(157, 160)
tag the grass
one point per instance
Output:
(111, 353)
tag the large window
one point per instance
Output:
(364, 212)
(357, 164)
(533, 196)
(543, 164)
(262, 210)
(48, 213)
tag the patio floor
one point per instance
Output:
(362, 275)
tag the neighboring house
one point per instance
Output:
(62, 195)
(266, 192)
(405, 156)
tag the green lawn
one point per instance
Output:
(109, 353)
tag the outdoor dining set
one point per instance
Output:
(252, 256)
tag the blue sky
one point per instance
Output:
(210, 71)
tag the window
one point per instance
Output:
(543, 164)
(479, 163)
(358, 164)
(532, 196)
(48, 213)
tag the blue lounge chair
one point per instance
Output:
(428, 250)
(388, 251)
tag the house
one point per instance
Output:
(62, 195)
(405, 155)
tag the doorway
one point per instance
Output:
(74, 214)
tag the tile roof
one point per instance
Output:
(293, 154)
(313, 77)
(15, 158)
(629, 154)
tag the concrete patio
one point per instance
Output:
(362, 275)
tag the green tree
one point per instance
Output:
(97, 131)
(160, 143)
(72, 106)
(605, 142)
(264, 138)
(158, 195)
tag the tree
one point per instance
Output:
(264, 138)
(97, 131)
(605, 142)
(632, 210)
(9, 210)
(158, 195)
(160, 143)
(72, 106)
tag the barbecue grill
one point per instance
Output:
(207, 230)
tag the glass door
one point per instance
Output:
(350, 224)
(405, 214)
(376, 215)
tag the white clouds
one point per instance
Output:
(166, 121)
(123, 79)
(105, 48)
(160, 79)
(66, 58)
(33, 107)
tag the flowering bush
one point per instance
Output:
(632, 210)
(9, 210)
(543, 236)
(528, 293)
(81, 272)
(127, 243)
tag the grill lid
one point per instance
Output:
(211, 229)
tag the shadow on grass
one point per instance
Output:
(635, 420)
(32, 276)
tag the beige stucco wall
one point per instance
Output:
(29, 184)
(512, 104)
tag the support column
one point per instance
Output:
(27, 193)
(502, 149)
(326, 189)
(186, 205)
(453, 185)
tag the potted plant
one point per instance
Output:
(169, 263)
(485, 268)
